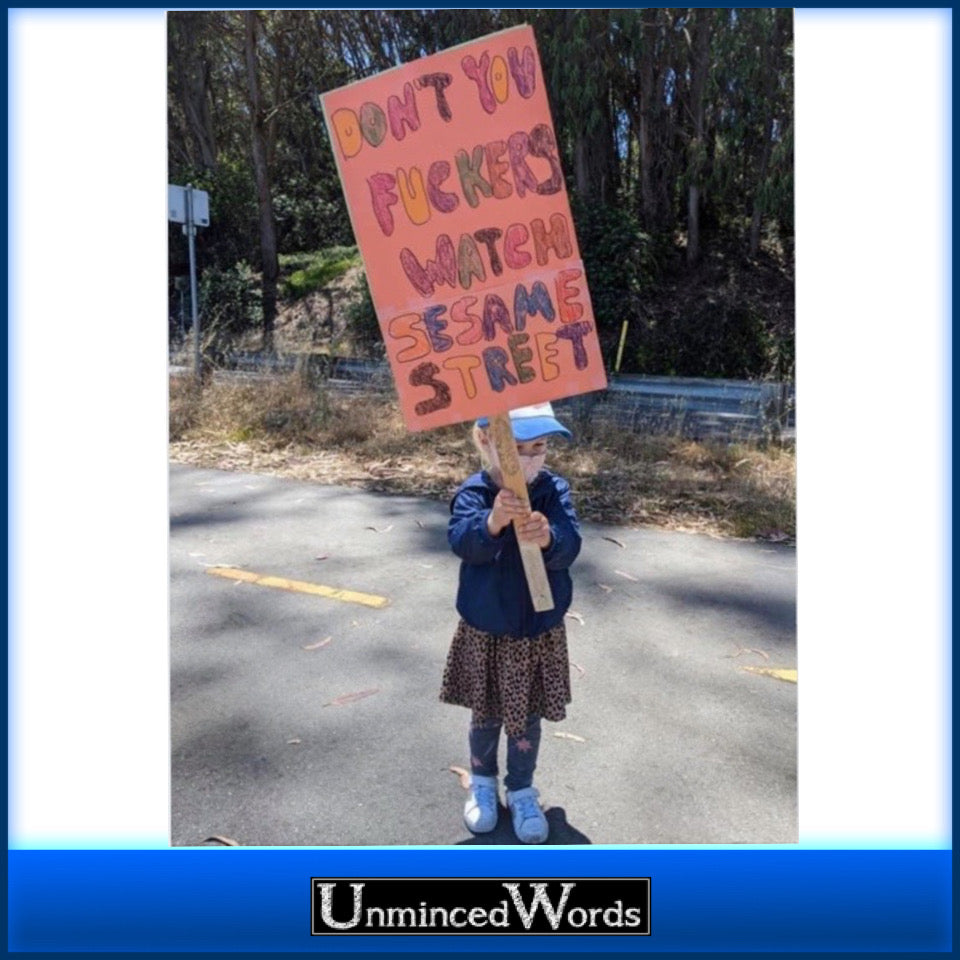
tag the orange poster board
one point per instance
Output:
(452, 177)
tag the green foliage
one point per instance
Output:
(719, 338)
(232, 234)
(307, 219)
(312, 272)
(230, 304)
(618, 259)
(363, 323)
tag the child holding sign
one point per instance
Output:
(508, 663)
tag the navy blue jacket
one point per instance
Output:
(493, 595)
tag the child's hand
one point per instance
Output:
(535, 529)
(506, 507)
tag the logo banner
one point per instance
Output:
(432, 906)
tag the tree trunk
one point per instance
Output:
(269, 264)
(197, 111)
(590, 168)
(699, 65)
(756, 221)
(769, 69)
(648, 47)
(581, 168)
(191, 73)
(693, 224)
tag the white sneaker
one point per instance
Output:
(480, 810)
(529, 823)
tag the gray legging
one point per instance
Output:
(521, 752)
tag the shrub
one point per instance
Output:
(618, 259)
(363, 324)
(230, 304)
(315, 271)
(232, 234)
(715, 338)
(307, 220)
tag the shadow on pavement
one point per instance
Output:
(769, 612)
(561, 832)
(202, 519)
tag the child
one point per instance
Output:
(508, 663)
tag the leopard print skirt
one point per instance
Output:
(508, 678)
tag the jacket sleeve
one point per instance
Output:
(467, 530)
(564, 527)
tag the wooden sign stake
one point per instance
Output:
(513, 480)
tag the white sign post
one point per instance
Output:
(190, 207)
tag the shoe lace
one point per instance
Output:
(483, 795)
(527, 807)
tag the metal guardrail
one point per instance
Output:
(342, 372)
(697, 408)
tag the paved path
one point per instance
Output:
(272, 744)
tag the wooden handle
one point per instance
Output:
(513, 479)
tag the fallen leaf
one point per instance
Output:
(627, 576)
(577, 665)
(778, 673)
(733, 656)
(351, 697)
(463, 775)
(622, 546)
(318, 644)
(605, 588)
(380, 529)
(570, 736)
(573, 615)
(226, 841)
(294, 740)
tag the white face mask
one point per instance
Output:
(532, 465)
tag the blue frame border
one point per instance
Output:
(258, 900)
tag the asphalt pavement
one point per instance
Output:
(309, 629)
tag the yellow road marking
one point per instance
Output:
(299, 586)
(777, 673)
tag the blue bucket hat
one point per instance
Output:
(531, 423)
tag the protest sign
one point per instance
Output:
(452, 176)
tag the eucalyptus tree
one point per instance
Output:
(675, 127)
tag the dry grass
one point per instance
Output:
(725, 489)
(286, 428)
